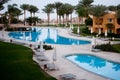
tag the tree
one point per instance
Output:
(112, 8)
(32, 9)
(68, 10)
(81, 13)
(48, 9)
(118, 7)
(12, 9)
(1, 3)
(56, 6)
(98, 11)
(18, 12)
(32, 20)
(89, 22)
(82, 9)
(86, 4)
(24, 7)
(35, 10)
(61, 12)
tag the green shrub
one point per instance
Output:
(109, 47)
(47, 47)
(104, 47)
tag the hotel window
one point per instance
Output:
(110, 20)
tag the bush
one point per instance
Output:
(104, 47)
(47, 47)
(85, 30)
(109, 47)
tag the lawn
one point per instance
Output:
(16, 64)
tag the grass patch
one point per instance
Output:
(16, 64)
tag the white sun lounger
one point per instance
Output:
(42, 63)
(68, 76)
(51, 67)
(95, 50)
(42, 58)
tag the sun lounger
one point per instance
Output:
(39, 54)
(51, 67)
(68, 76)
(95, 50)
(42, 58)
(42, 63)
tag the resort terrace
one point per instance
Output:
(64, 65)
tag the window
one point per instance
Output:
(110, 20)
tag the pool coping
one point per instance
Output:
(86, 69)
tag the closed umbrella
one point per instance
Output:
(78, 31)
(93, 42)
(24, 37)
(54, 55)
(41, 46)
(30, 36)
(105, 33)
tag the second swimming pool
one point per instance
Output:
(97, 65)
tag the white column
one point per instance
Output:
(105, 33)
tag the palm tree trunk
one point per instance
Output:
(71, 19)
(31, 14)
(79, 23)
(67, 19)
(24, 17)
(34, 14)
(59, 19)
(48, 18)
(63, 19)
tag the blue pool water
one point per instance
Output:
(47, 35)
(97, 65)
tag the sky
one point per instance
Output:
(41, 3)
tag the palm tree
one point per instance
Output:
(1, 3)
(68, 10)
(32, 9)
(61, 12)
(82, 9)
(48, 9)
(56, 6)
(86, 4)
(81, 13)
(24, 7)
(98, 11)
(112, 8)
(35, 10)
(18, 12)
(11, 12)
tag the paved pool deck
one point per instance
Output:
(66, 66)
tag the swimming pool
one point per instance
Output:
(47, 35)
(97, 65)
